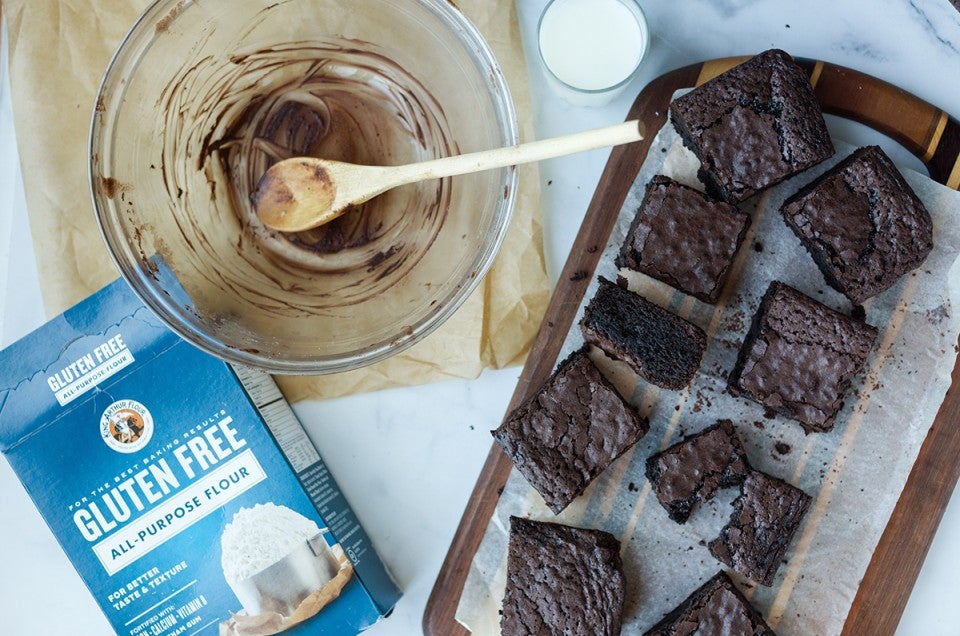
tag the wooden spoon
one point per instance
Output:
(303, 192)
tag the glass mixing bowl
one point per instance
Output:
(201, 97)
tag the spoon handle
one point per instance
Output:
(523, 153)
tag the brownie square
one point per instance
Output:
(800, 356)
(561, 580)
(862, 223)
(765, 517)
(753, 126)
(659, 346)
(684, 238)
(716, 608)
(696, 467)
(566, 434)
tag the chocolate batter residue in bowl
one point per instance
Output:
(336, 99)
(189, 119)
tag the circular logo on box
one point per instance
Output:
(126, 426)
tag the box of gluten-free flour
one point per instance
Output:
(183, 489)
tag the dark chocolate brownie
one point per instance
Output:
(862, 223)
(696, 467)
(684, 238)
(716, 608)
(659, 346)
(753, 126)
(562, 580)
(569, 431)
(800, 356)
(765, 517)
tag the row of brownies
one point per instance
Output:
(751, 127)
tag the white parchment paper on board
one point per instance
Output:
(854, 473)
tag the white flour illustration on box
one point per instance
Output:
(280, 566)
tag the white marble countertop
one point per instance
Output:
(407, 459)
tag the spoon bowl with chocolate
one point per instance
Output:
(301, 193)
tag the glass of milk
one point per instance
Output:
(591, 49)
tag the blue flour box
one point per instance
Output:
(184, 490)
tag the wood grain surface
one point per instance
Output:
(930, 134)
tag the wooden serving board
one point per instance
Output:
(926, 131)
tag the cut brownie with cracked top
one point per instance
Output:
(684, 238)
(765, 517)
(566, 434)
(561, 580)
(696, 467)
(659, 346)
(716, 608)
(753, 126)
(800, 357)
(862, 223)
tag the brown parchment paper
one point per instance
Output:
(854, 473)
(59, 50)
